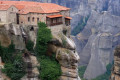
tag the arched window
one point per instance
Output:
(37, 19)
(33, 19)
(28, 19)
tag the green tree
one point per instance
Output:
(43, 37)
(49, 67)
(16, 69)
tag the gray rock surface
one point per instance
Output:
(103, 37)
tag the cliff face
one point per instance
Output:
(61, 45)
(115, 75)
(102, 26)
(96, 42)
(102, 35)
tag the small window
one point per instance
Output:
(37, 19)
(28, 19)
(12, 9)
(33, 19)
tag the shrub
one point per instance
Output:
(49, 69)
(14, 65)
(30, 45)
(16, 69)
(81, 71)
(6, 53)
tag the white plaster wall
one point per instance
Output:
(12, 14)
(3, 16)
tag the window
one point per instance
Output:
(33, 19)
(12, 9)
(28, 19)
(0, 19)
(37, 19)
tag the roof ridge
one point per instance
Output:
(42, 8)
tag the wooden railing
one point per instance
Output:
(52, 24)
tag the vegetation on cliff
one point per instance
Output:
(80, 26)
(49, 67)
(101, 77)
(105, 76)
(14, 66)
(81, 71)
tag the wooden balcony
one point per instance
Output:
(58, 23)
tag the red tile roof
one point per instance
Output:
(27, 7)
(4, 7)
(68, 17)
(53, 16)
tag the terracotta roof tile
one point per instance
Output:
(68, 17)
(53, 16)
(4, 7)
(27, 6)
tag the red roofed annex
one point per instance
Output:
(30, 13)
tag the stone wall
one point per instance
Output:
(9, 15)
(3, 17)
(23, 18)
(12, 14)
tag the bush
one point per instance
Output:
(16, 69)
(81, 71)
(29, 46)
(6, 53)
(14, 65)
(49, 69)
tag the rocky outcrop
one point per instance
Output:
(9, 33)
(115, 75)
(66, 55)
(31, 64)
(61, 44)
